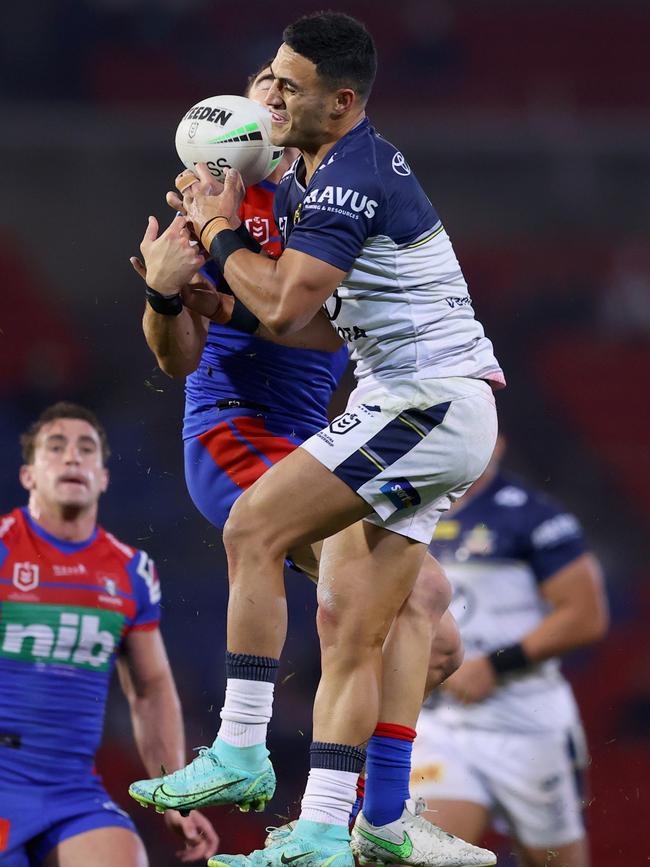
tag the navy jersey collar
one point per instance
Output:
(61, 545)
(356, 130)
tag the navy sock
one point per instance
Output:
(388, 769)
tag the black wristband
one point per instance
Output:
(251, 244)
(508, 659)
(242, 319)
(223, 244)
(171, 306)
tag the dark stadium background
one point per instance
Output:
(528, 124)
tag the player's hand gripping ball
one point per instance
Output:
(228, 132)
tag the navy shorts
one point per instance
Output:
(35, 818)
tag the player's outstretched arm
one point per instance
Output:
(578, 610)
(170, 263)
(147, 681)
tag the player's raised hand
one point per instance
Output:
(171, 260)
(201, 208)
(201, 840)
(201, 180)
(472, 682)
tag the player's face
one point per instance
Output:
(68, 469)
(299, 103)
(260, 87)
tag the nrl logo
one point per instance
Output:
(259, 229)
(26, 576)
(345, 423)
(193, 128)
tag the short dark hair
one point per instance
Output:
(250, 81)
(62, 409)
(340, 47)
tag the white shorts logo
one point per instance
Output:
(345, 423)
(26, 576)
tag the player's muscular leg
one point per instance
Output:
(446, 652)
(101, 847)
(406, 649)
(366, 573)
(465, 819)
(295, 503)
(572, 855)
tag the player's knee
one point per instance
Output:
(343, 628)
(447, 653)
(246, 532)
(432, 591)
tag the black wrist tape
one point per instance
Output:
(165, 306)
(245, 237)
(242, 319)
(223, 244)
(508, 659)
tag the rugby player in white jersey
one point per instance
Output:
(503, 741)
(361, 235)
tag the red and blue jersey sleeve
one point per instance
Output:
(146, 591)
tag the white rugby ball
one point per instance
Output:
(228, 132)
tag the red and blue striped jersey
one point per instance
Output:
(291, 386)
(65, 608)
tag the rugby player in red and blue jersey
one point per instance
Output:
(74, 603)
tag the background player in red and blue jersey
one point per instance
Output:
(74, 602)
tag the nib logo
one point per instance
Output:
(52, 633)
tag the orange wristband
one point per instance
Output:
(211, 229)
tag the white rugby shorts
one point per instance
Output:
(530, 783)
(410, 448)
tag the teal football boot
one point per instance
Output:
(207, 782)
(309, 844)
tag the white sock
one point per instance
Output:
(329, 796)
(246, 712)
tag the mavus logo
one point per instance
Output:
(52, 633)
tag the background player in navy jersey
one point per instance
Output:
(250, 400)
(75, 601)
(420, 428)
(503, 739)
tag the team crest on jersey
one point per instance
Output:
(26, 576)
(345, 423)
(297, 213)
(259, 229)
(110, 586)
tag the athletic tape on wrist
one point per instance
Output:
(166, 306)
(508, 659)
(242, 319)
(251, 244)
(223, 245)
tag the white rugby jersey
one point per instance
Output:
(403, 306)
(496, 550)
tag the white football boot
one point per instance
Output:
(414, 841)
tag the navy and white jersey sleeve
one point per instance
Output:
(553, 537)
(403, 304)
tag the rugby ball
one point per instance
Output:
(228, 132)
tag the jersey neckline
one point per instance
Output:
(60, 544)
